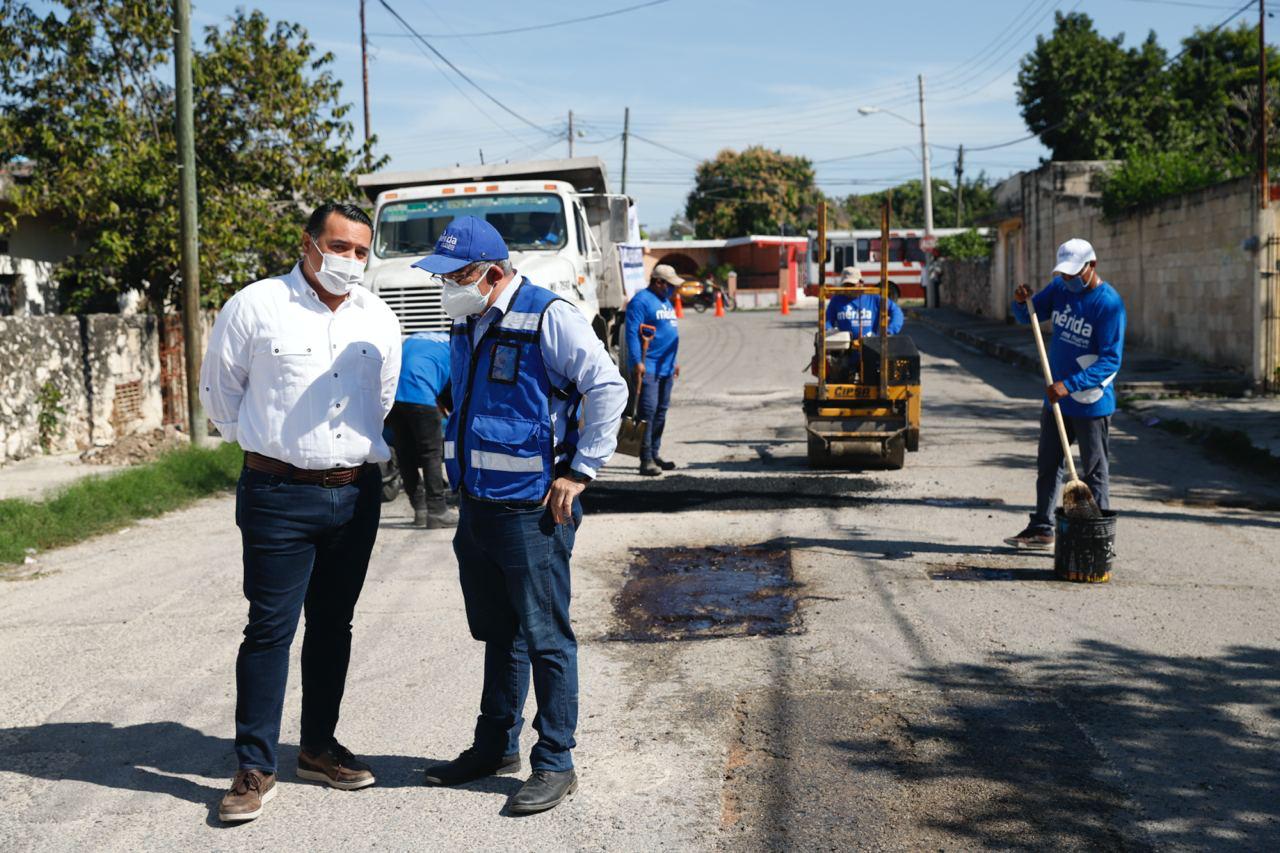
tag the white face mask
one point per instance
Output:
(463, 300)
(338, 274)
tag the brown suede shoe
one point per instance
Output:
(336, 767)
(250, 791)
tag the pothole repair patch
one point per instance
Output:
(703, 593)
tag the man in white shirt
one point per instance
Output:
(301, 370)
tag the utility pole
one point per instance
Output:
(189, 242)
(626, 131)
(1262, 105)
(570, 133)
(924, 160)
(959, 183)
(364, 72)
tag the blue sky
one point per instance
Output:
(700, 76)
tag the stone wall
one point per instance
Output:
(965, 285)
(1188, 267)
(33, 351)
(106, 367)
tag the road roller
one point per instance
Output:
(864, 409)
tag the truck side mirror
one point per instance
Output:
(618, 230)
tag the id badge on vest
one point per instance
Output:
(505, 363)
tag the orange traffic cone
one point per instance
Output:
(786, 304)
(679, 308)
(719, 305)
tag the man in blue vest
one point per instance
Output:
(654, 367)
(522, 362)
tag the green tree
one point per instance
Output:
(1089, 97)
(965, 246)
(863, 211)
(88, 102)
(757, 191)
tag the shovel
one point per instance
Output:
(631, 430)
(1077, 499)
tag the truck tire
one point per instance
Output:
(894, 293)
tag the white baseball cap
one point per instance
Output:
(1073, 255)
(851, 275)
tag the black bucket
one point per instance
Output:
(1084, 548)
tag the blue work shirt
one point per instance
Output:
(1087, 344)
(860, 315)
(649, 309)
(573, 355)
(424, 368)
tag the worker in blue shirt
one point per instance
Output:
(651, 318)
(1088, 319)
(415, 419)
(537, 404)
(860, 314)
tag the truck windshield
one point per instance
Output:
(526, 222)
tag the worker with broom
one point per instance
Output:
(1088, 319)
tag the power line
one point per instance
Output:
(648, 141)
(1122, 90)
(546, 26)
(456, 69)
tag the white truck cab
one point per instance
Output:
(560, 224)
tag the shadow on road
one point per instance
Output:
(156, 758)
(1109, 746)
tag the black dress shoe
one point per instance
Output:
(649, 468)
(545, 789)
(472, 765)
(664, 464)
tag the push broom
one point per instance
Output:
(1077, 499)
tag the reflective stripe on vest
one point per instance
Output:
(499, 441)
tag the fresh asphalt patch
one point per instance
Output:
(707, 593)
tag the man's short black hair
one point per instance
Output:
(315, 225)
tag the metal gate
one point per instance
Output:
(173, 371)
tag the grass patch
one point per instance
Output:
(101, 504)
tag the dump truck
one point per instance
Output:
(558, 218)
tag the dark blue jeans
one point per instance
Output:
(1093, 436)
(306, 549)
(655, 398)
(513, 563)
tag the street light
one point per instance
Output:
(926, 182)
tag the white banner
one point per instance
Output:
(632, 259)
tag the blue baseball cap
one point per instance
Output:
(466, 240)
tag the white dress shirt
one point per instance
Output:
(573, 355)
(286, 377)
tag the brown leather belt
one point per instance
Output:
(330, 478)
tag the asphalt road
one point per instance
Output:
(931, 688)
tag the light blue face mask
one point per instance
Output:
(1074, 285)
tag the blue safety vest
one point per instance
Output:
(499, 443)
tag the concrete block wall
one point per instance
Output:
(1183, 266)
(106, 366)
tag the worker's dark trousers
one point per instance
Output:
(655, 399)
(1093, 437)
(513, 563)
(306, 549)
(420, 454)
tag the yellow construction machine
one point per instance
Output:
(864, 410)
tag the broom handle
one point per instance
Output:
(1048, 379)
